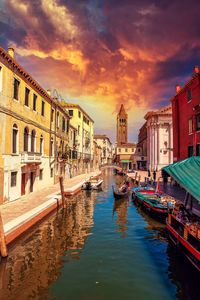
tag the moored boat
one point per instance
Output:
(183, 222)
(94, 183)
(157, 205)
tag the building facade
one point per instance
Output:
(84, 126)
(159, 138)
(125, 156)
(186, 118)
(30, 132)
(105, 144)
(141, 150)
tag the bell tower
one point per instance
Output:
(122, 126)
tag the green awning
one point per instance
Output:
(125, 161)
(187, 173)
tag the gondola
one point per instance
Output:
(120, 195)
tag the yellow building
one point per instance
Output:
(85, 134)
(33, 127)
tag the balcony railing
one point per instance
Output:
(30, 157)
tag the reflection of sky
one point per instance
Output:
(101, 53)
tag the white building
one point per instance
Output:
(159, 138)
(107, 149)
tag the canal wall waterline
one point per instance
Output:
(22, 214)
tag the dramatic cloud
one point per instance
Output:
(100, 53)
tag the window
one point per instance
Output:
(51, 147)
(189, 95)
(119, 149)
(26, 134)
(138, 150)
(43, 108)
(67, 126)
(41, 174)
(198, 122)
(26, 100)
(33, 140)
(78, 129)
(133, 150)
(34, 102)
(71, 112)
(52, 115)
(63, 124)
(79, 114)
(126, 150)
(14, 138)
(190, 151)
(16, 89)
(190, 125)
(41, 144)
(13, 179)
(58, 120)
(51, 172)
(198, 150)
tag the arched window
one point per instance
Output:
(14, 138)
(41, 144)
(33, 140)
(26, 132)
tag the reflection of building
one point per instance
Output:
(125, 152)
(26, 274)
(104, 142)
(33, 132)
(186, 118)
(121, 208)
(141, 151)
(159, 138)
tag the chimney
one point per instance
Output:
(178, 88)
(11, 51)
(196, 69)
(49, 92)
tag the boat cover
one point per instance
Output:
(187, 173)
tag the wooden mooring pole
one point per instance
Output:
(62, 191)
(3, 247)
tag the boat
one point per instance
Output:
(93, 183)
(183, 222)
(120, 194)
(144, 189)
(157, 205)
(96, 182)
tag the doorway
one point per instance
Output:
(32, 178)
(23, 184)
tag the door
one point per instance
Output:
(23, 184)
(31, 181)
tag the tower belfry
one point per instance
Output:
(122, 126)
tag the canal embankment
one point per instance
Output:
(22, 214)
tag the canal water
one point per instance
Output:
(97, 249)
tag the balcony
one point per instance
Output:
(30, 157)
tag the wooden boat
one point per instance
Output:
(120, 195)
(146, 190)
(87, 186)
(184, 232)
(183, 223)
(157, 205)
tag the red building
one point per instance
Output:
(186, 118)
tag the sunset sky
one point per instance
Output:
(101, 53)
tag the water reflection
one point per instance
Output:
(35, 261)
(120, 207)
